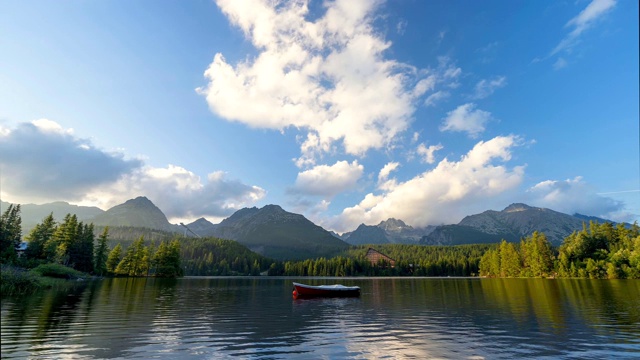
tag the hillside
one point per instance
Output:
(138, 212)
(275, 233)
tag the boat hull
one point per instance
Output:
(303, 291)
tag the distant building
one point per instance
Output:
(375, 256)
(20, 249)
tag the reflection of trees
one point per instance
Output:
(527, 300)
(43, 313)
(559, 306)
(247, 316)
(617, 302)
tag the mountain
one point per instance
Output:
(367, 234)
(201, 227)
(139, 212)
(33, 214)
(276, 233)
(513, 223)
(388, 231)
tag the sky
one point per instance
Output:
(345, 111)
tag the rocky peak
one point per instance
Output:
(393, 225)
(517, 207)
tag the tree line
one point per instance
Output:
(598, 251)
(72, 243)
(410, 260)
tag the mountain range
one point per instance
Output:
(273, 232)
(513, 223)
(391, 231)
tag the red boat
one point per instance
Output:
(302, 290)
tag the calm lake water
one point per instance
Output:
(211, 318)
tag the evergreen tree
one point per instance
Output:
(135, 261)
(10, 233)
(114, 258)
(167, 260)
(509, 260)
(39, 236)
(490, 263)
(101, 255)
(537, 255)
(63, 238)
(81, 256)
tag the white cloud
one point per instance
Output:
(559, 64)
(386, 170)
(328, 181)
(43, 162)
(485, 88)
(180, 193)
(576, 196)
(383, 176)
(436, 97)
(584, 20)
(328, 77)
(427, 153)
(444, 194)
(465, 118)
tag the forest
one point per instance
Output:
(600, 251)
(73, 244)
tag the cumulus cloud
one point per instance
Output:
(328, 180)
(384, 183)
(428, 153)
(180, 193)
(444, 194)
(467, 119)
(576, 196)
(583, 21)
(327, 76)
(42, 162)
(485, 88)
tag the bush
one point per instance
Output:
(58, 271)
(17, 281)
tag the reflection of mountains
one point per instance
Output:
(257, 317)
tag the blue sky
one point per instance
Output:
(348, 112)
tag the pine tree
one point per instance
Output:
(10, 233)
(509, 260)
(135, 260)
(114, 258)
(81, 256)
(63, 238)
(39, 236)
(101, 255)
(537, 255)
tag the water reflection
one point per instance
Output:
(257, 317)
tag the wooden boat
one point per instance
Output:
(302, 290)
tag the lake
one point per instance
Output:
(256, 317)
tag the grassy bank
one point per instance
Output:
(19, 281)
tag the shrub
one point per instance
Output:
(58, 271)
(17, 281)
